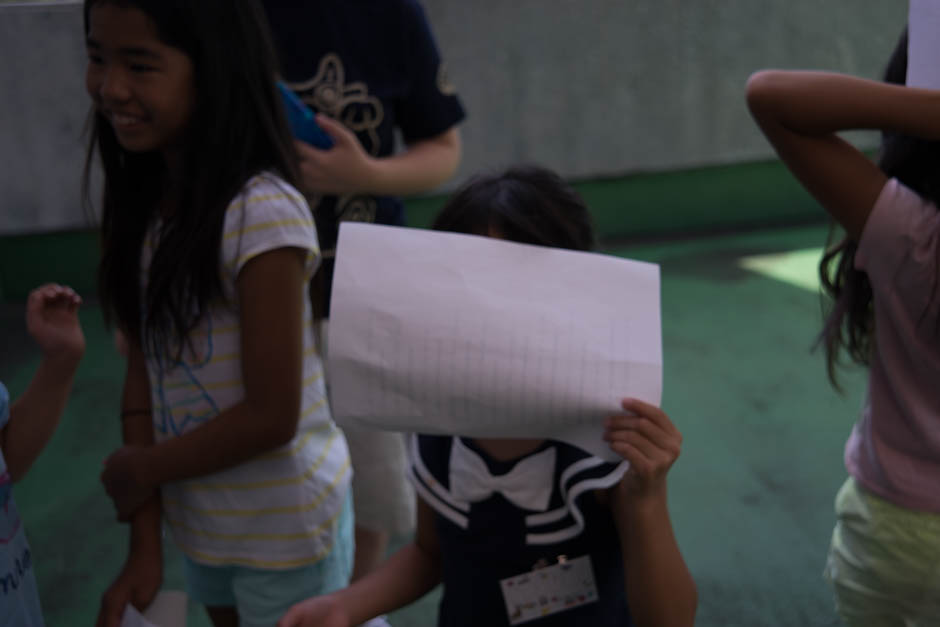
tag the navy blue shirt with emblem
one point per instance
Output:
(373, 65)
(485, 541)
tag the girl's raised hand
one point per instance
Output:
(345, 168)
(52, 320)
(124, 481)
(646, 438)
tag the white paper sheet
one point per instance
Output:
(923, 44)
(133, 618)
(458, 334)
(168, 609)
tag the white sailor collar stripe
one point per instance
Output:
(571, 508)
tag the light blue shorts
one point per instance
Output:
(261, 597)
(884, 562)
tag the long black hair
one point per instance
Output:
(850, 322)
(525, 203)
(237, 130)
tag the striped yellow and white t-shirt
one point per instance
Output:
(278, 510)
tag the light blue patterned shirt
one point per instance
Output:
(19, 598)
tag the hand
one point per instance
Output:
(137, 584)
(346, 168)
(647, 439)
(322, 611)
(124, 480)
(52, 320)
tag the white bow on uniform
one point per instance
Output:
(528, 485)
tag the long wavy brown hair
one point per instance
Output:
(238, 130)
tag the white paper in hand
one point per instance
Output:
(168, 609)
(133, 618)
(458, 334)
(923, 45)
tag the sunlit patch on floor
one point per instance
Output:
(796, 267)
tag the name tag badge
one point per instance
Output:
(549, 590)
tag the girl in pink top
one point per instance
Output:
(884, 561)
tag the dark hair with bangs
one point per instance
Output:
(238, 130)
(915, 162)
(528, 204)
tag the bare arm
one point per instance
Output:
(142, 574)
(271, 296)
(271, 301)
(659, 587)
(424, 165)
(52, 320)
(403, 578)
(346, 168)
(406, 576)
(800, 114)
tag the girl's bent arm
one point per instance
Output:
(142, 575)
(35, 415)
(271, 292)
(800, 114)
(52, 320)
(659, 587)
(424, 165)
(348, 168)
(406, 576)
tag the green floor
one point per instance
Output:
(751, 495)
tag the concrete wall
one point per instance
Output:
(593, 88)
(42, 115)
(606, 87)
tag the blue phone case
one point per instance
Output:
(303, 123)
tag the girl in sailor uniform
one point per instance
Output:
(532, 531)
